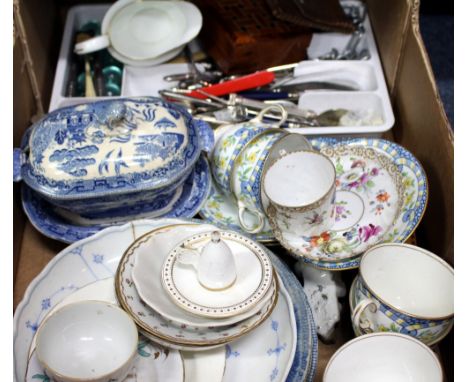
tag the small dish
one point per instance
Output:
(87, 341)
(46, 220)
(369, 200)
(165, 331)
(254, 278)
(149, 252)
(384, 356)
(221, 210)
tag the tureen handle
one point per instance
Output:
(205, 134)
(19, 158)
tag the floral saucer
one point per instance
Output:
(369, 199)
(153, 363)
(50, 223)
(415, 193)
(221, 210)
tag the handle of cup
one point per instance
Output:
(188, 256)
(92, 45)
(261, 114)
(256, 228)
(365, 325)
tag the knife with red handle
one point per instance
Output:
(249, 81)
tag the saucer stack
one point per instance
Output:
(189, 287)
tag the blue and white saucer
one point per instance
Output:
(45, 218)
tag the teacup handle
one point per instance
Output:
(187, 256)
(92, 45)
(261, 114)
(365, 325)
(256, 228)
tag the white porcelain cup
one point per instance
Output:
(383, 357)
(215, 265)
(139, 32)
(89, 341)
(403, 288)
(300, 188)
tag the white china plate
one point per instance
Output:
(150, 254)
(369, 199)
(254, 278)
(222, 210)
(171, 334)
(96, 258)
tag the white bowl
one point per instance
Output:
(383, 357)
(87, 341)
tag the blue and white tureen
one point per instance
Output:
(94, 158)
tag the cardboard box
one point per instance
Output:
(421, 126)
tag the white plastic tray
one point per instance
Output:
(367, 74)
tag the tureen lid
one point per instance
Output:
(112, 146)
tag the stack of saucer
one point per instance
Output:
(194, 288)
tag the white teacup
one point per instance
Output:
(383, 357)
(404, 288)
(300, 188)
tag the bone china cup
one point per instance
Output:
(90, 341)
(403, 288)
(300, 188)
(383, 357)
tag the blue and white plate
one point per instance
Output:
(96, 258)
(49, 222)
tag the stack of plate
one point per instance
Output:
(171, 306)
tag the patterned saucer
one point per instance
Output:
(253, 281)
(221, 210)
(369, 199)
(50, 223)
(415, 193)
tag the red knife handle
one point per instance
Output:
(250, 81)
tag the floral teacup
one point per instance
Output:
(403, 288)
(300, 187)
(250, 167)
(234, 139)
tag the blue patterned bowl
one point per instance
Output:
(101, 155)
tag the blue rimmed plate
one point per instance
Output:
(50, 223)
